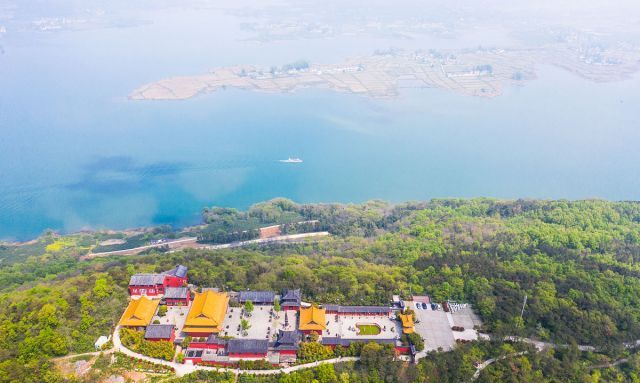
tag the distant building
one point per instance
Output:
(206, 314)
(422, 299)
(270, 231)
(177, 296)
(291, 299)
(312, 319)
(158, 332)
(156, 284)
(139, 312)
(260, 298)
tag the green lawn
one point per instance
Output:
(368, 329)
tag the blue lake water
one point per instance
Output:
(75, 153)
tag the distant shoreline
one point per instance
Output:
(185, 230)
(479, 73)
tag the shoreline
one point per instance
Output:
(478, 73)
(191, 228)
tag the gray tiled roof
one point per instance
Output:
(213, 339)
(291, 297)
(178, 271)
(357, 309)
(287, 340)
(331, 341)
(193, 353)
(158, 331)
(176, 292)
(146, 279)
(334, 341)
(252, 346)
(257, 296)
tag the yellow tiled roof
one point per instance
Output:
(139, 312)
(201, 329)
(207, 312)
(407, 323)
(312, 319)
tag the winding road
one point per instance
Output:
(192, 242)
(184, 369)
(489, 362)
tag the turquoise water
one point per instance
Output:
(75, 153)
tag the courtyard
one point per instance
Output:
(264, 323)
(362, 327)
(176, 315)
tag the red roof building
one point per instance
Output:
(177, 296)
(155, 284)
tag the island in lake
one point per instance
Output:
(474, 72)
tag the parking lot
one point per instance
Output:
(435, 329)
(465, 317)
(435, 325)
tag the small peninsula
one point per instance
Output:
(474, 72)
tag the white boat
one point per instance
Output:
(291, 160)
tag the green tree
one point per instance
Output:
(276, 305)
(244, 325)
(248, 307)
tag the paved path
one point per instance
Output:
(95, 353)
(488, 362)
(262, 241)
(607, 365)
(542, 345)
(192, 242)
(539, 345)
(136, 250)
(184, 369)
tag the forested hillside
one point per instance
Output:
(577, 262)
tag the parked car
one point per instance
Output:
(424, 306)
(418, 305)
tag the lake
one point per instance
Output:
(75, 153)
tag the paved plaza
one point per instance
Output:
(176, 315)
(264, 322)
(435, 329)
(345, 326)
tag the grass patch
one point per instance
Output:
(368, 329)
